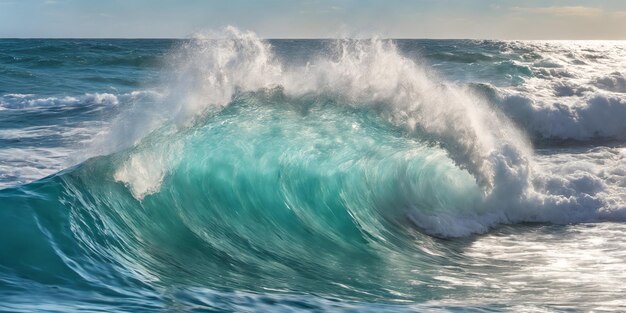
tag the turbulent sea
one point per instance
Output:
(240, 174)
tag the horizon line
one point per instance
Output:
(298, 38)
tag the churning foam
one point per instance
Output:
(576, 90)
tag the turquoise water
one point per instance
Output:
(289, 175)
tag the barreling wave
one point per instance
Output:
(370, 76)
(252, 174)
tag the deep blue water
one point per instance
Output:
(324, 175)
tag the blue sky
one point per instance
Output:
(498, 19)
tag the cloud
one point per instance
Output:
(619, 14)
(578, 11)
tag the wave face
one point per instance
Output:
(349, 178)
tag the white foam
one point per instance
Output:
(582, 118)
(615, 82)
(580, 97)
(22, 165)
(143, 173)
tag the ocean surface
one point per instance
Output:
(240, 174)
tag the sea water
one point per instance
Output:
(241, 174)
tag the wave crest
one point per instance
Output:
(212, 77)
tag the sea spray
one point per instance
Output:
(367, 74)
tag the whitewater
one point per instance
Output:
(230, 173)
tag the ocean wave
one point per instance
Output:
(213, 75)
(337, 177)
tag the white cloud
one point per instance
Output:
(619, 14)
(579, 11)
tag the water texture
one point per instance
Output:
(240, 174)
